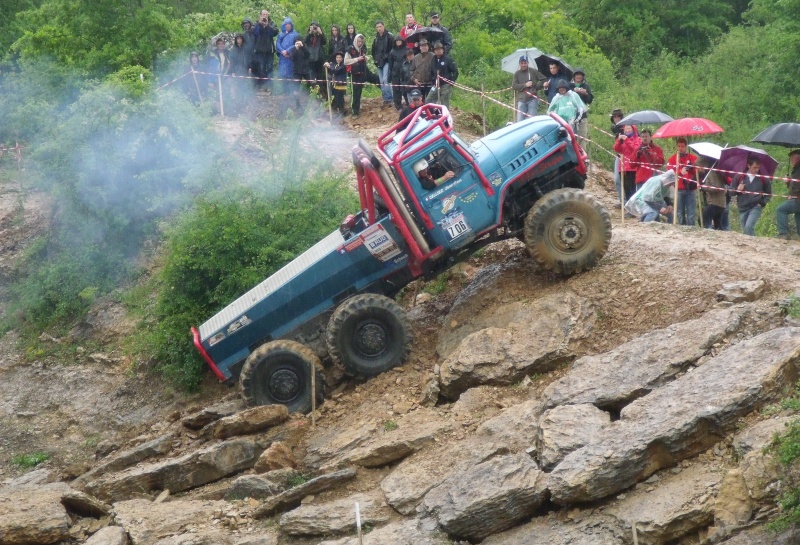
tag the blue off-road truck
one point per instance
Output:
(334, 302)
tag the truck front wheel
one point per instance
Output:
(369, 334)
(568, 231)
(280, 372)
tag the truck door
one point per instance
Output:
(459, 206)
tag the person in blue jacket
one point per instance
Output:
(286, 40)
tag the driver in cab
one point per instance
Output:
(427, 179)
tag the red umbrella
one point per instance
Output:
(687, 126)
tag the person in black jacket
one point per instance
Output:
(381, 47)
(264, 48)
(315, 44)
(397, 77)
(446, 40)
(583, 90)
(301, 69)
(443, 67)
(414, 102)
(336, 43)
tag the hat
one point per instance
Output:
(617, 111)
(579, 71)
(523, 59)
(435, 14)
(422, 164)
(438, 45)
(423, 41)
(415, 94)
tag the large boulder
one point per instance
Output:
(567, 428)
(291, 498)
(580, 528)
(673, 506)
(408, 483)
(371, 445)
(404, 532)
(335, 517)
(33, 514)
(489, 497)
(680, 419)
(760, 434)
(127, 458)
(176, 474)
(537, 337)
(207, 415)
(615, 378)
(110, 535)
(252, 420)
(260, 486)
(761, 535)
(516, 427)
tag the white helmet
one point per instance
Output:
(422, 164)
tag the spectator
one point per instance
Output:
(410, 26)
(791, 206)
(446, 39)
(381, 47)
(526, 82)
(192, 85)
(356, 59)
(653, 198)
(240, 67)
(648, 157)
(286, 40)
(264, 48)
(753, 194)
(414, 102)
(315, 45)
(339, 81)
(408, 83)
(567, 104)
(396, 59)
(301, 69)
(249, 37)
(687, 186)
(556, 73)
(350, 36)
(716, 193)
(425, 179)
(616, 116)
(445, 67)
(626, 144)
(336, 44)
(421, 67)
(584, 91)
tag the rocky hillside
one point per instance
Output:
(629, 404)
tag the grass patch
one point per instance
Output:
(390, 425)
(786, 448)
(28, 461)
(297, 479)
(438, 285)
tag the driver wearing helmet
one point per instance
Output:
(425, 179)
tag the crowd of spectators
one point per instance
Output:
(331, 65)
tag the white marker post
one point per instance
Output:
(358, 524)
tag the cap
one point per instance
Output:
(422, 164)
(523, 59)
(415, 94)
(617, 111)
(438, 45)
(435, 14)
(423, 41)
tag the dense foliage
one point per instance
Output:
(224, 246)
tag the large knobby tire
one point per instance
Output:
(369, 334)
(279, 372)
(568, 231)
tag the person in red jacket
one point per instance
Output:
(626, 144)
(649, 156)
(687, 185)
(410, 26)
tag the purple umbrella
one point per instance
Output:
(735, 159)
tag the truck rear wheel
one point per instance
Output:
(568, 231)
(369, 334)
(280, 372)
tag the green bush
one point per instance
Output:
(223, 247)
(28, 461)
(787, 448)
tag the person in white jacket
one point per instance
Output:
(567, 104)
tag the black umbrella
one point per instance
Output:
(430, 33)
(645, 117)
(543, 65)
(781, 134)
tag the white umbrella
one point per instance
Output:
(510, 63)
(707, 149)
